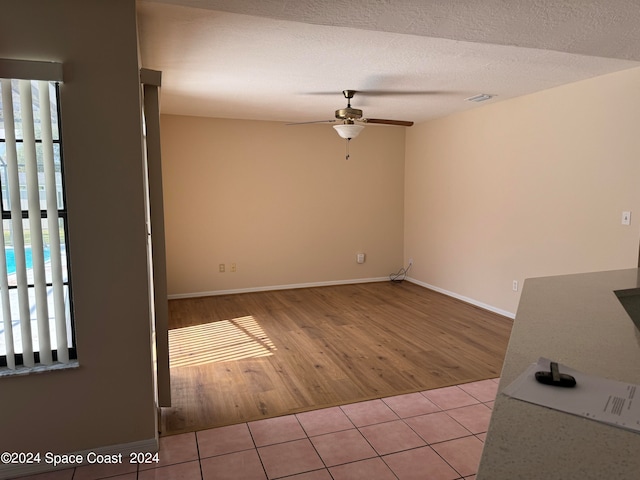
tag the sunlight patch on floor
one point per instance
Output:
(219, 341)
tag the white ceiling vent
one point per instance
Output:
(482, 97)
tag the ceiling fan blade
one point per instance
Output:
(378, 93)
(382, 121)
(314, 121)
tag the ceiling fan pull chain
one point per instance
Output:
(347, 154)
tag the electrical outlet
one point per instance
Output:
(233, 267)
(515, 285)
(221, 268)
(410, 261)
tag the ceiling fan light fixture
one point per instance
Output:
(349, 130)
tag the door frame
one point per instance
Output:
(151, 81)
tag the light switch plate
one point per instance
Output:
(626, 218)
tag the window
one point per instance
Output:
(36, 327)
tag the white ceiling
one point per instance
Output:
(269, 59)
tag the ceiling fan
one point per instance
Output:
(348, 119)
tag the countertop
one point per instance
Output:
(577, 321)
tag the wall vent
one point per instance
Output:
(480, 98)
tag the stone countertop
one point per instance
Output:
(578, 321)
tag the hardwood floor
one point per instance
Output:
(243, 357)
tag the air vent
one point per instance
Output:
(482, 97)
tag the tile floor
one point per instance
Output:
(435, 435)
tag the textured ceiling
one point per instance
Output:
(268, 59)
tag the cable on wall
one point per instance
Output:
(400, 275)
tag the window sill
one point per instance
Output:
(20, 371)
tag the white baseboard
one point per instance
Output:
(343, 282)
(484, 306)
(20, 470)
(277, 287)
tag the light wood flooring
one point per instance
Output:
(244, 357)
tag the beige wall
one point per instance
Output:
(108, 400)
(527, 187)
(279, 201)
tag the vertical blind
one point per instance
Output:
(35, 297)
